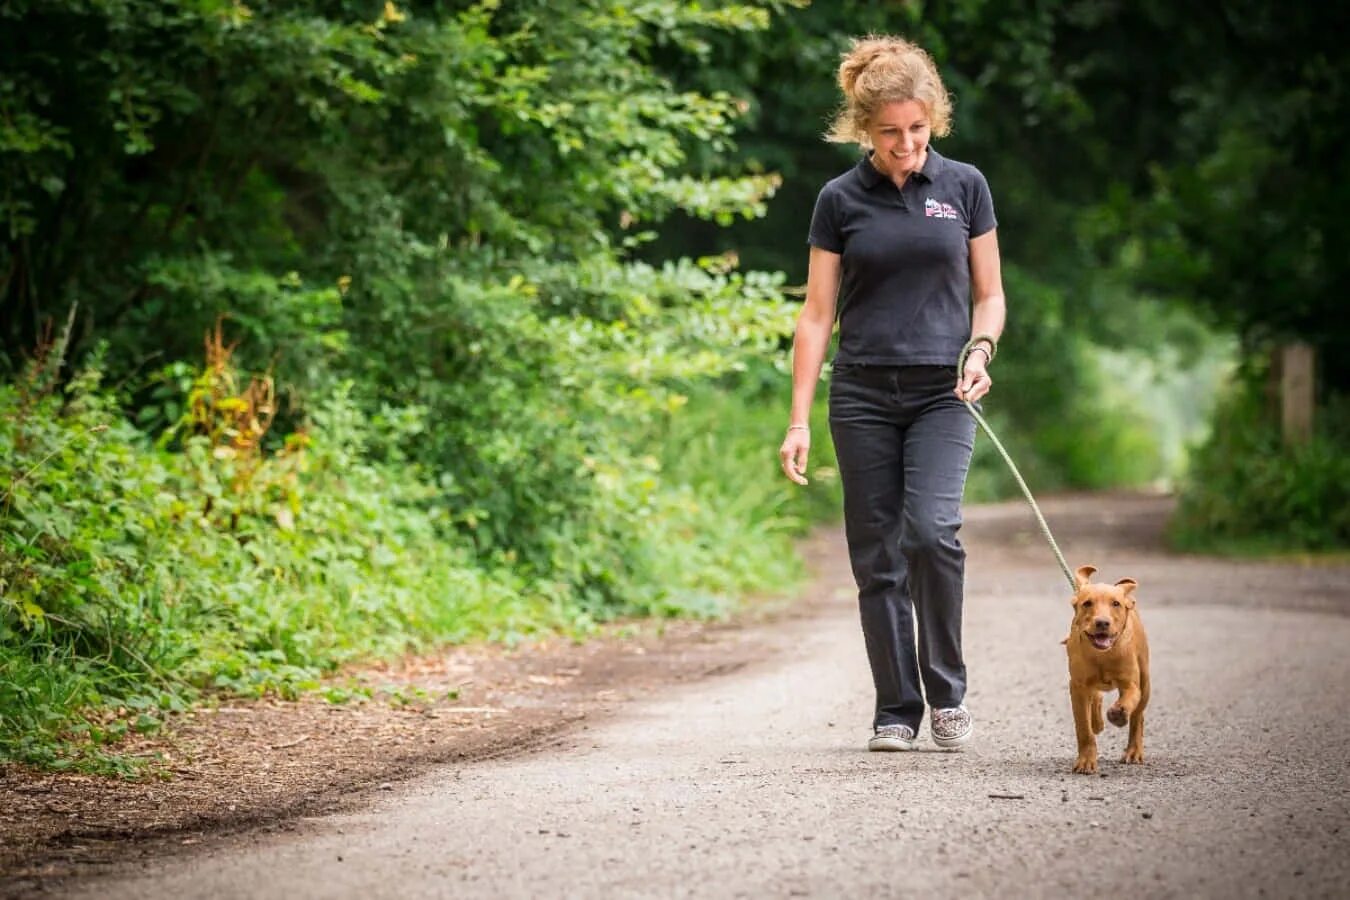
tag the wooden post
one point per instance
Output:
(1296, 392)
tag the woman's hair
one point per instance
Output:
(879, 69)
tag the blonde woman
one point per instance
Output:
(904, 253)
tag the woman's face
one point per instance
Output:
(899, 133)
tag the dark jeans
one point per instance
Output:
(903, 440)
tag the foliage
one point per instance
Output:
(1065, 423)
(1249, 492)
(1242, 215)
(169, 163)
(436, 376)
(136, 577)
(549, 378)
(434, 202)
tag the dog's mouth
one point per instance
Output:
(1101, 641)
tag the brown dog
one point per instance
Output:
(1108, 650)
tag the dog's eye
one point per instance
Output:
(1115, 602)
(1087, 604)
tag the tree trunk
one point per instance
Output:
(1293, 372)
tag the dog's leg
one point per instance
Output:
(1125, 705)
(1082, 698)
(1134, 748)
(1097, 723)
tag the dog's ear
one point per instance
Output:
(1127, 586)
(1084, 575)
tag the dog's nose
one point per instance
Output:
(1101, 624)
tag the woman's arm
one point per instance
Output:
(815, 324)
(988, 312)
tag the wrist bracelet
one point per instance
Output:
(799, 428)
(989, 357)
(985, 338)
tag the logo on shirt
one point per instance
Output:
(932, 209)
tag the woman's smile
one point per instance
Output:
(899, 133)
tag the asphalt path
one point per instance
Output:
(757, 783)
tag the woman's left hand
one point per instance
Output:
(975, 381)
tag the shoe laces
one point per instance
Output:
(904, 732)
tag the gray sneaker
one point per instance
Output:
(893, 737)
(952, 727)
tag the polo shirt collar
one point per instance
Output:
(932, 168)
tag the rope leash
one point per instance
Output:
(998, 445)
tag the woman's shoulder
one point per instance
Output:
(962, 171)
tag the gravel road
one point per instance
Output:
(756, 783)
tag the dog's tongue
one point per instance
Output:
(1101, 641)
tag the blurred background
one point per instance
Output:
(334, 330)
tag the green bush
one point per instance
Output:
(1247, 492)
(134, 576)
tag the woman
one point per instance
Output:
(904, 246)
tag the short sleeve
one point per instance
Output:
(826, 231)
(982, 218)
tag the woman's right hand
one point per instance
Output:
(796, 447)
(815, 323)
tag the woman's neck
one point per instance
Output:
(900, 178)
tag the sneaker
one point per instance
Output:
(952, 727)
(893, 737)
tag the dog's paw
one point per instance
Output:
(1086, 765)
(1117, 716)
(1133, 755)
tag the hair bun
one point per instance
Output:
(865, 52)
(874, 51)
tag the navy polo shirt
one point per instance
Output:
(904, 289)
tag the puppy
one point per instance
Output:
(1108, 650)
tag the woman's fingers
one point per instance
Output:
(975, 383)
(793, 455)
(799, 463)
